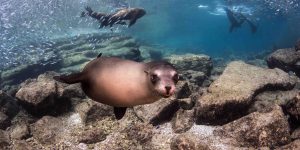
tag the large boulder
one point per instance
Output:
(194, 62)
(285, 59)
(258, 129)
(229, 97)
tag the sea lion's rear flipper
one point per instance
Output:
(69, 79)
(119, 112)
(131, 22)
(88, 9)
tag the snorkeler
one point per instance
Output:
(119, 17)
(237, 19)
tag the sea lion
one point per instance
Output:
(237, 19)
(124, 83)
(119, 17)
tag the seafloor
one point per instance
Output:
(223, 103)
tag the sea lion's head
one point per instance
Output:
(162, 77)
(140, 12)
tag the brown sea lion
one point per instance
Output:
(124, 83)
(119, 17)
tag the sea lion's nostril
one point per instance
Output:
(168, 88)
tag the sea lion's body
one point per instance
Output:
(117, 82)
(119, 17)
(124, 83)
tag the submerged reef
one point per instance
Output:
(219, 104)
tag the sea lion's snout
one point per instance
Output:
(169, 91)
(141, 12)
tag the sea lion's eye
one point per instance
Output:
(154, 78)
(176, 78)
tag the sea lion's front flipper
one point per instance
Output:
(131, 22)
(119, 112)
(69, 79)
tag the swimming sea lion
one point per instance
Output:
(124, 83)
(237, 19)
(119, 17)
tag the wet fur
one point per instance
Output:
(118, 82)
(119, 17)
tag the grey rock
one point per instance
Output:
(148, 111)
(73, 90)
(258, 129)
(183, 90)
(43, 95)
(4, 139)
(291, 146)
(293, 109)
(285, 59)
(266, 100)
(184, 142)
(8, 109)
(296, 134)
(196, 78)
(20, 131)
(230, 96)
(92, 135)
(91, 111)
(47, 130)
(183, 120)
(194, 62)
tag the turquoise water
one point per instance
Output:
(181, 26)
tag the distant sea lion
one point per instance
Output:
(124, 83)
(237, 19)
(119, 17)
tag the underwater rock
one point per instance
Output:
(193, 62)
(230, 96)
(19, 131)
(8, 109)
(73, 91)
(91, 111)
(184, 142)
(140, 132)
(293, 109)
(183, 120)
(74, 59)
(4, 139)
(196, 78)
(124, 52)
(44, 96)
(47, 129)
(182, 90)
(22, 144)
(285, 59)
(265, 100)
(291, 146)
(258, 129)
(92, 135)
(148, 111)
(296, 134)
(40, 95)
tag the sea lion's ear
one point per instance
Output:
(147, 72)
